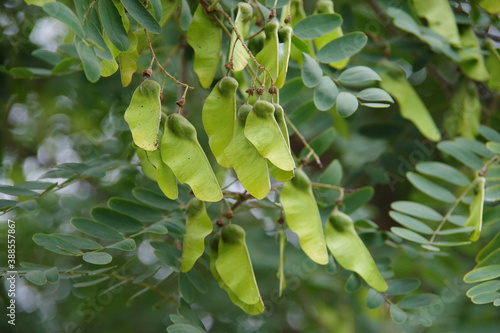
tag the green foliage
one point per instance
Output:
(218, 180)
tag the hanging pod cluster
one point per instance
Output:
(172, 155)
(339, 235)
(232, 269)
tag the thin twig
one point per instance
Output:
(304, 141)
(153, 56)
(452, 208)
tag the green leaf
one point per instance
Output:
(482, 274)
(184, 328)
(353, 283)
(197, 281)
(485, 298)
(181, 151)
(153, 199)
(431, 189)
(375, 95)
(186, 17)
(157, 8)
(443, 172)
(350, 251)
(489, 286)
(219, 117)
(97, 258)
(79, 242)
(91, 64)
(475, 147)
(96, 229)
(492, 193)
(489, 255)
(141, 15)
(315, 26)
(489, 133)
(115, 219)
(417, 210)
(357, 199)
(409, 235)
(57, 245)
(411, 105)
(198, 226)
(143, 115)
(325, 94)
(233, 252)
(302, 216)
(374, 299)
(397, 315)
(418, 301)
(332, 175)
(311, 71)
(36, 277)
(411, 223)
(250, 166)
(237, 51)
(360, 76)
(402, 286)
(16, 191)
(457, 152)
(205, 37)
(493, 147)
(476, 209)
(168, 259)
(137, 210)
(61, 12)
(346, 104)
(52, 275)
(127, 244)
(185, 288)
(262, 130)
(342, 47)
(21, 73)
(112, 23)
(4, 204)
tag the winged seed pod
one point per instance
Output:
(181, 151)
(250, 166)
(219, 117)
(277, 173)
(350, 251)
(262, 130)
(198, 226)
(205, 37)
(269, 57)
(285, 36)
(236, 50)
(163, 174)
(143, 115)
(302, 216)
(476, 209)
(252, 309)
(233, 253)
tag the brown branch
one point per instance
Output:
(304, 141)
